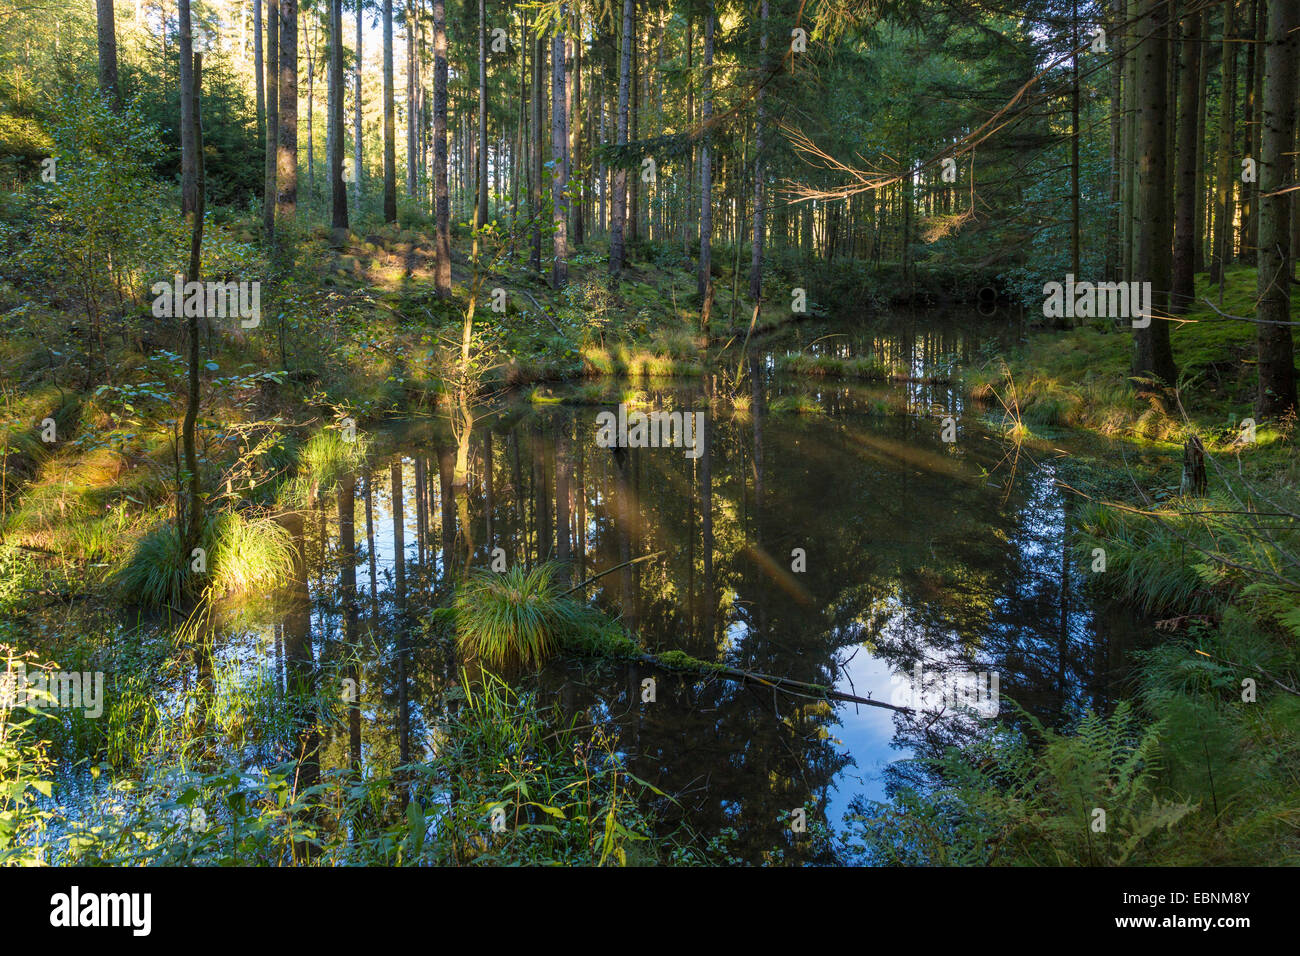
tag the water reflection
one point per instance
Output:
(917, 552)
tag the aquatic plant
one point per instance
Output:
(241, 554)
(514, 616)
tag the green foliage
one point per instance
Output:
(25, 767)
(326, 458)
(517, 615)
(563, 797)
(243, 554)
(1013, 800)
(103, 229)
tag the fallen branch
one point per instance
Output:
(768, 680)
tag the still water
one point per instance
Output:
(844, 547)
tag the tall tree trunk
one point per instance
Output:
(575, 115)
(1249, 109)
(338, 189)
(559, 163)
(358, 157)
(1256, 115)
(287, 158)
(1226, 170)
(706, 159)
(412, 118)
(269, 190)
(107, 35)
(390, 120)
(258, 68)
(442, 202)
(1277, 378)
(535, 127)
(617, 250)
(1185, 237)
(189, 186)
(1127, 200)
(756, 251)
(1202, 192)
(190, 92)
(482, 217)
(632, 226)
(1152, 354)
(1075, 136)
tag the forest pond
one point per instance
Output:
(842, 544)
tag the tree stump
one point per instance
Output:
(1194, 480)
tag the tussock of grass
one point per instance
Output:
(796, 405)
(620, 360)
(243, 555)
(325, 459)
(514, 616)
(867, 369)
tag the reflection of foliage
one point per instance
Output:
(559, 796)
(1005, 801)
(25, 767)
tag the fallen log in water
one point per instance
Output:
(682, 662)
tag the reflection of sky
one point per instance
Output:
(865, 732)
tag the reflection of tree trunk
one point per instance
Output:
(517, 482)
(370, 550)
(625, 515)
(487, 488)
(756, 384)
(348, 575)
(543, 471)
(399, 598)
(706, 510)
(300, 666)
(421, 510)
(1063, 631)
(580, 533)
(562, 497)
(446, 493)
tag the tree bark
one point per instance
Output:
(1226, 171)
(1152, 354)
(358, 157)
(107, 36)
(189, 187)
(482, 116)
(706, 159)
(442, 201)
(338, 189)
(617, 249)
(287, 157)
(194, 527)
(390, 120)
(575, 152)
(1185, 238)
(756, 249)
(272, 116)
(412, 109)
(258, 68)
(559, 162)
(1277, 378)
